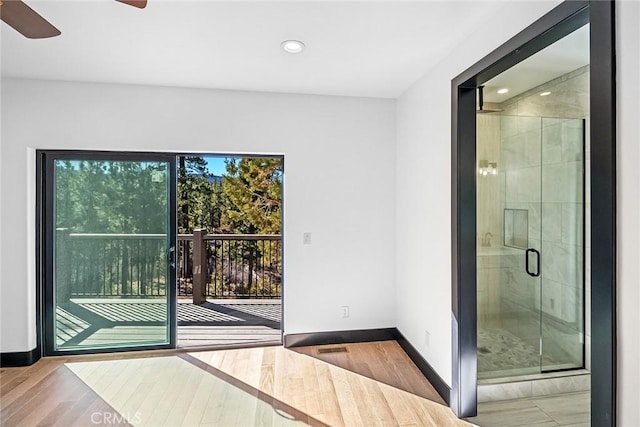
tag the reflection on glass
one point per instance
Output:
(110, 254)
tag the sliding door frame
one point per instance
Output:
(559, 22)
(45, 246)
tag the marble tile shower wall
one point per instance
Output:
(489, 222)
(564, 166)
(543, 174)
(541, 159)
(520, 142)
(489, 214)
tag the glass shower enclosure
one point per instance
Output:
(531, 246)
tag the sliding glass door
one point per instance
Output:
(109, 251)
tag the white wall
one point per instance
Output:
(628, 158)
(339, 180)
(423, 189)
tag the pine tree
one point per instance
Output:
(200, 200)
(254, 189)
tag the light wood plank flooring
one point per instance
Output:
(384, 361)
(264, 386)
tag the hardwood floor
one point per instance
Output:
(384, 361)
(48, 393)
(337, 396)
(264, 386)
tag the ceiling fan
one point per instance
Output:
(30, 24)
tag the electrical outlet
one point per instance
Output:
(552, 303)
(345, 311)
(306, 238)
(427, 338)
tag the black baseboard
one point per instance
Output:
(368, 335)
(339, 337)
(430, 374)
(20, 358)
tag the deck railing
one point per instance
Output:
(134, 265)
(107, 264)
(229, 265)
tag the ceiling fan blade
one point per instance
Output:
(141, 4)
(25, 20)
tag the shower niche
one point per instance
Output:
(531, 283)
(516, 228)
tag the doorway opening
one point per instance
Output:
(532, 148)
(518, 225)
(532, 250)
(229, 250)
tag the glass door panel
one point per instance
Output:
(563, 246)
(509, 217)
(111, 234)
(531, 248)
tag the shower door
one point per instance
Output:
(530, 245)
(563, 244)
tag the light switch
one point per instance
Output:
(306, 238)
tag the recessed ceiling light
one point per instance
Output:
(545, 93)
(292, 46)
(503, 90)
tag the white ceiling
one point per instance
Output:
(373, 49)
(565, 55)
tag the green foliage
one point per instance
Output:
(200, 196)
(246, 200)
(254, 190)
(111, 197)
(127, 197)
(131, 197)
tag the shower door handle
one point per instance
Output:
(526, 257)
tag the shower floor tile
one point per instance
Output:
(503, 353)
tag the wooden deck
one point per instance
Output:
(229, 322)
(98, 322)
